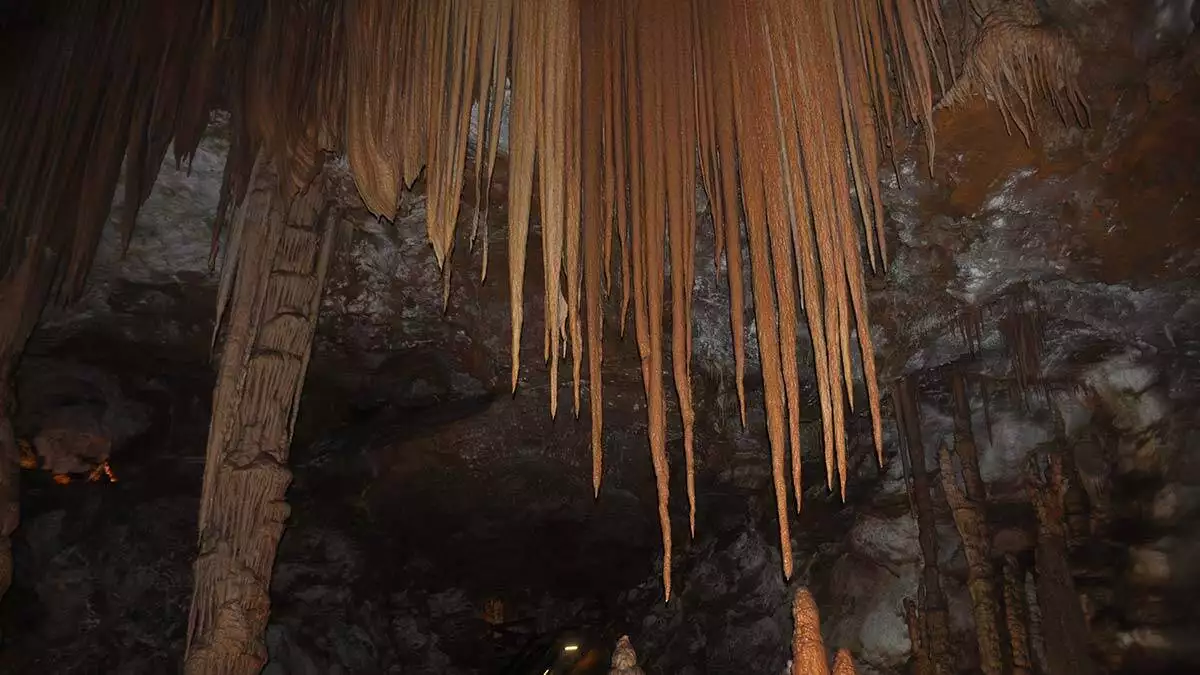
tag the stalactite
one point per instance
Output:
(788, 105)
(1017, 54)
(970, 519)
(1023, 328)
(1016, 614)
(278, 275)
(1091, 455)
(1063, 625)
(971, 325)
(596, 79)
(933, 612)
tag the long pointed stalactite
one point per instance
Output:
(278, 276)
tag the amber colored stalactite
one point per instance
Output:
(594, 71)
(527, 92)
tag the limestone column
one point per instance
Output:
(269, 303)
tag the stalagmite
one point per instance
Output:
(969, 511)
(933, 612)
(843, 663)
(971, 522)
(624, 659)
(808, 648)
(1016, 614)
(1037, 641)
(1063, 625)
(278, 276)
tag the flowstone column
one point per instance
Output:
(281, 249)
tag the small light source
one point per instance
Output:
(571, 648)
(547, 672)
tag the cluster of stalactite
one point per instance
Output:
(611, 105)
(808, 646)
(1020, 55)
(781, 110)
